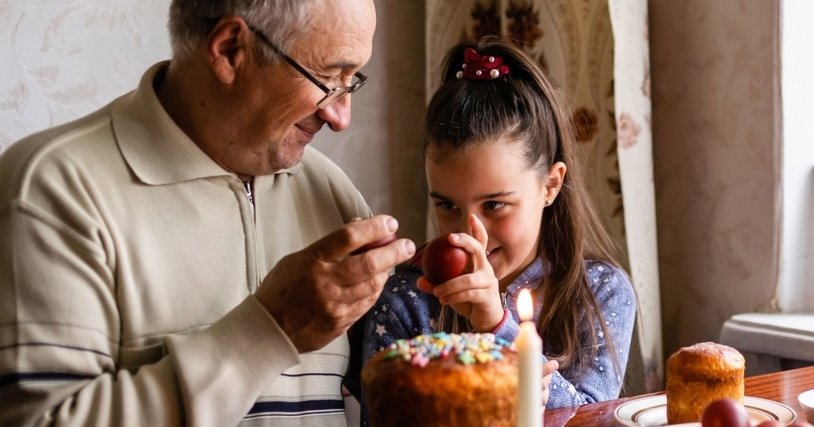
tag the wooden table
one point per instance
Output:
(783, 386)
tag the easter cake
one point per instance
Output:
(443, 380)
(700, 374)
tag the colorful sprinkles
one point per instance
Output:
(468, 348)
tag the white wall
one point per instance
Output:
(797, 250)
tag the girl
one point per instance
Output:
(501, 172)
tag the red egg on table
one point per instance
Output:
(441, 261)
(725, 413)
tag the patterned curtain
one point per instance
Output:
(596, 53)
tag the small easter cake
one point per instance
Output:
(443, 379)
(699, 375)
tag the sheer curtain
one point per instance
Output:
(796, 293)
(634, 132)
(596, 53)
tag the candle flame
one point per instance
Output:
(524, 305)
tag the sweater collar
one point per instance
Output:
(156, 149)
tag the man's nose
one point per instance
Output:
(337, 114)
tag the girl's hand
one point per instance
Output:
(549, 368)
(474, 295)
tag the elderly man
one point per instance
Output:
(182, 256)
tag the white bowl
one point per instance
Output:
(806, 400)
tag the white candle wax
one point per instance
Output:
(530, 350)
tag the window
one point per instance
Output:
(796, 279)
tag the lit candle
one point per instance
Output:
(530, 350)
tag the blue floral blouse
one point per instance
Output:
(403, 311)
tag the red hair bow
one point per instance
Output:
(477, 67)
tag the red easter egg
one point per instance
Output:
(374, 245)
(441, 261)
(725, 413)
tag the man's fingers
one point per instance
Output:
(317, 293)
(367, 290)
(354, 235)
(352, 302)
(339, 306)
(360, 267)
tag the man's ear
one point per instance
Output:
(227, 47)
(554, 180)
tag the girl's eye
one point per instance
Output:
(445, 205)
(493, 204)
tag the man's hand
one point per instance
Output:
(316, 294)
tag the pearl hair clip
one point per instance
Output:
(477, 67)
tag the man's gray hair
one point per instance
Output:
(281, 20)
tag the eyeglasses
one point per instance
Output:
(331, 95)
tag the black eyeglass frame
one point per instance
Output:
(331, 95)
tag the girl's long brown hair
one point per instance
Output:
(523, 107)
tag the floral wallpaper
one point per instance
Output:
(65, 59)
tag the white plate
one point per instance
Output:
(651, 411)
